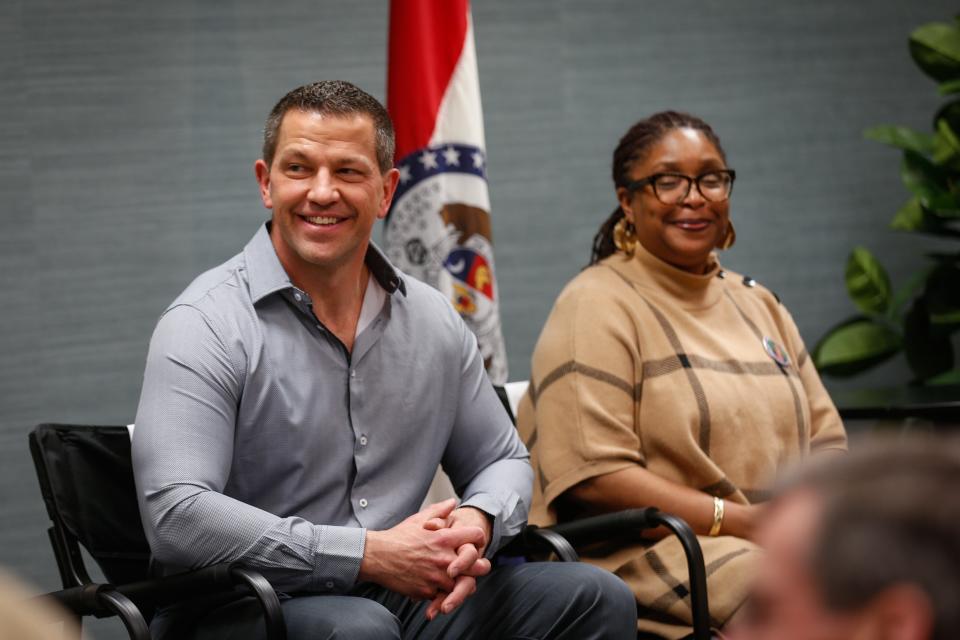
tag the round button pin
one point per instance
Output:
(776, 352)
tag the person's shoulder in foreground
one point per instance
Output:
(298, 399)
(863, 546)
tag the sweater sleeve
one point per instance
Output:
(826, 428)
(585, 384)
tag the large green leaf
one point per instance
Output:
(926, 181)
(909, 217)
(855, 346)
(929, 352)
(900, 137)
(913, 217)
(948, 87)
(908, 291)
(945, 145)
(946, 142)
(935, 48)
(919, 174)
(867, 282)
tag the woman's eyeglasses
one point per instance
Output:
(673, 188)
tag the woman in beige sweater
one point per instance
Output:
(663, 379)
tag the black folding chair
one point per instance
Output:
(563, 538)
(86, 479)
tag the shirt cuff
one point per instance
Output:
(338, 552)
(500, 511)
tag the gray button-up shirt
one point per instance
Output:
(259, 438)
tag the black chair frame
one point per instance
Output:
(132, 601)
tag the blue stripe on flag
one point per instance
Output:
(448, 157)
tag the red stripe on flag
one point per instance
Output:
(426, 39)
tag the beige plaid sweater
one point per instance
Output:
(641, 363)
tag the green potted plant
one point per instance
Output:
(920, 317)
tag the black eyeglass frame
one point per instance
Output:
(636, 185)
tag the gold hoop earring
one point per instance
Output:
(729, 238)
(625, 236)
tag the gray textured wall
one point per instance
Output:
(129, 130)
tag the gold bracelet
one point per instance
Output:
(717, 516)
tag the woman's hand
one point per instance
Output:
(741, 520)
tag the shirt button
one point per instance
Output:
(319, 327)
(298, 297)
(353, 373)
(363, 502)
(363, 441)
(329, 584)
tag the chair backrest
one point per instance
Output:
(510, 395)
(86, 479)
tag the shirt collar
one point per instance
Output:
(266, 275)
(386, 274)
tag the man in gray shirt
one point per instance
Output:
(297, 400)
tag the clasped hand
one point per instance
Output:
(435, 554)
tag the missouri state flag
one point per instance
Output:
(438, 228)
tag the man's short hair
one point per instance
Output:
(336, 98)
(891, 516)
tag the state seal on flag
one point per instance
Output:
(438, 230)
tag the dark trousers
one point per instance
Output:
(537, 600)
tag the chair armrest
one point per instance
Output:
(534, 540)
(223, 577)
(263, 591)
(102, 600)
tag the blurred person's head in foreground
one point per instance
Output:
(863, 546)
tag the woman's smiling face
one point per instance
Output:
(682, 234)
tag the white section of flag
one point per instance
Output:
(460, 117)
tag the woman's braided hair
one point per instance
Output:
(633, 145)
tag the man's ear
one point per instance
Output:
(901, 612)
(262, 172)
(390, 181)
